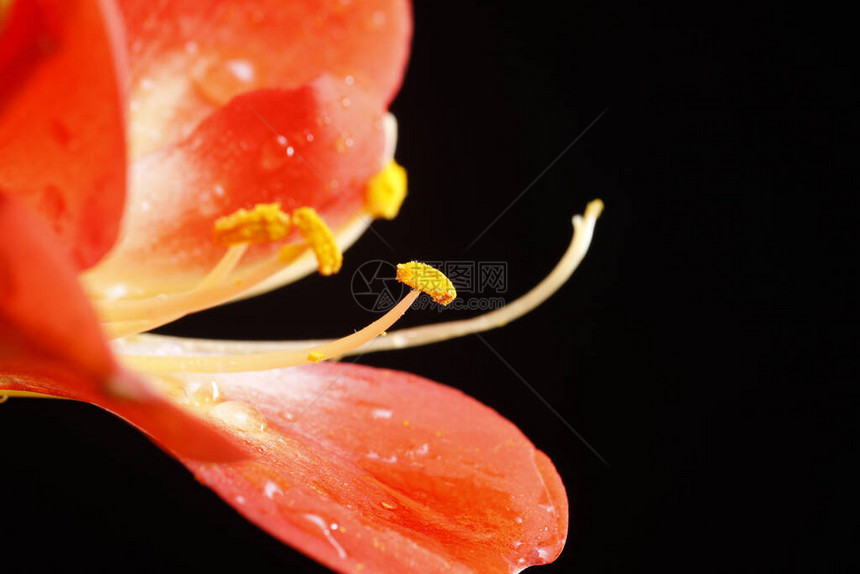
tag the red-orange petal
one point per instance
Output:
(315, 146)
(62, 133)
(50, 342)
(370, 470)
(195, 55)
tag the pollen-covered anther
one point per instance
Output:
(315, 357)
(427, 279)
(386, 191)
(320, 238)
(262, 224)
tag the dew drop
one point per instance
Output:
(220, 80)
(327, 533)
(381, 413)
(271, 489)
(115, 291)
(345, 102)
(349, 80)
(204, 393)
(239, 415)
(274, 153)
(241, 69)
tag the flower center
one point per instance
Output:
(263, 223)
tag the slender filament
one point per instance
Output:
(276, 359)
(190, 301)
(583, 231)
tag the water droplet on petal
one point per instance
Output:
(220, 80)
(239, 415)
(323, 526)
(270, 489)
(204, 393)
(273, 154)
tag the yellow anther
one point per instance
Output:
(386, 191)
(320, 238)
(427, 279)
(315, 357)
(265, 222)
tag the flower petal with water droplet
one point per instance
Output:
(443, 484)
(253, 150)
(62, 133)
(189, 57)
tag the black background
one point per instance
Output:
(698, 348)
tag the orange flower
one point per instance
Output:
(257, 145)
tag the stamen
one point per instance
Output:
(195, 300)
(275, 360)
(118, 329)
(320, 238)
(224, 267)
(427, 279)
(386, 191)
(218, 274)
(262, 224)
(583, 231)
